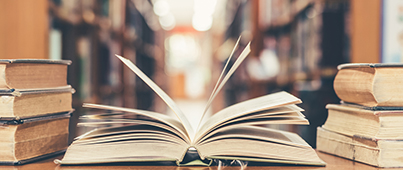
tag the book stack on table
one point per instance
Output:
(366, 126)
(35, 107)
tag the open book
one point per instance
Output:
(229, 134)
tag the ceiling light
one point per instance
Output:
(202, 22)
(161, 8)
(167, 21)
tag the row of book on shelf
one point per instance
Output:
(35, 109)
(366, 126)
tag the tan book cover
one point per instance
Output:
(370, 84)
(375, 152)
(357, 120)
(33, 73)
(25, 140)
(23, 103)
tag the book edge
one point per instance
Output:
(19, 92)
(373, 65)
(30, 160)
(43, 61)
(22, 120)
(378, 110)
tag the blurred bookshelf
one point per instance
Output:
(311, 43)
(296, 47)
(91, 33)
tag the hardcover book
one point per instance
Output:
(376, 152)
(33, 73)
(370, 84)
(227, 135)
(29, 139)
(363, 121)
(24, 103)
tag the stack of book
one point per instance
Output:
(35, 107)
(366, 126)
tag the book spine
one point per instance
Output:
(7, 143)
(351, 85)
(7, 106)
(7, 134)
(3, 81)
(348, 150)
(7, 152)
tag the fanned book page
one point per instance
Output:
(162, 94)
(147, 136)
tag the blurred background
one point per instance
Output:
(183, 45)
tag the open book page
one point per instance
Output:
(138, 141)
(284, 111)
(258, 133)
(162, 94)
(242, 57)
(259, 151)
(168, 131)
(178, 126)
(248, 142)
(249, 106)
(283, 115)
(277, 120)
(132, 131)
(125, 150)
(211, 98)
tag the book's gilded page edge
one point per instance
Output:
(168, 100)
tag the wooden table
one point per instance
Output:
(333, 163)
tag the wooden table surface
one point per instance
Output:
(333, 163)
